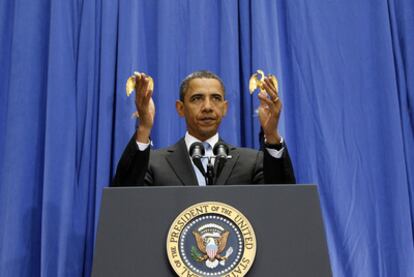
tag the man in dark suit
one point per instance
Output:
(202, 103)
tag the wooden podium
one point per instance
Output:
(134, 222)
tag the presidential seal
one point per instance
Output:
(211, 239)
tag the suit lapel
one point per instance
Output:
(228, 166)
(180, 163)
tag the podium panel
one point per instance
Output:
(134, 223)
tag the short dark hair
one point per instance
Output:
(202, 74)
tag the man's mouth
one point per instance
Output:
(207, 120)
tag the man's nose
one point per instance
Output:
(207, 104)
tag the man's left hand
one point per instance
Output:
(269, 111)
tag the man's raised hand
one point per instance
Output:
(145, 107)
(269, 111)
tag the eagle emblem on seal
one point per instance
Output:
(211, 242)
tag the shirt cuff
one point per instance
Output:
(276, 153)
(142, 146)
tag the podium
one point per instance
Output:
(134, 223)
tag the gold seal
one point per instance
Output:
(211, 239)
(257, 79)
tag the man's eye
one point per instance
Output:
(217, 98)
(196, 98)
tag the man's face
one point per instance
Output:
(203, 107)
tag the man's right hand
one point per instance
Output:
(145, 107)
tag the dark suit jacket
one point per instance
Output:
(172, 166)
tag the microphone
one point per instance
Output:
(196, 153)
(221, 152)
(197, 150)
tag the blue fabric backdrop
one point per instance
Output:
(346, 73)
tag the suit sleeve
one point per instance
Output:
(278, 171)
(132, 167)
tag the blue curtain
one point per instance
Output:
(346, 76)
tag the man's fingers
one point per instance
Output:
(270, 83)
(143, 97)
(141, 82)
(274, 104)
(147, 96)
(272, 93)
(141, 88)
(137, 81)
(264, 99)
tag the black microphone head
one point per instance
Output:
(221, 150)
(196, 150)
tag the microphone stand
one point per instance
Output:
(210, 173)
(220, 152)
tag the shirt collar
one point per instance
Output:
(189, 139)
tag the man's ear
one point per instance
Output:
(179, 106)
(226, 105)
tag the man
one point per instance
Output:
(202, 103)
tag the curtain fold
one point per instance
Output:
(401, 26)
